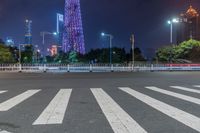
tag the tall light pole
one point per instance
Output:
(133, 46)
(43, 40)
(171, 22)
(20, 53)
(111, 38)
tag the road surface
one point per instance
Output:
(157, 102)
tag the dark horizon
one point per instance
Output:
(145, 18)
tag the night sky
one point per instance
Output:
(145, 18)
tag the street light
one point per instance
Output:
(132, 39)
(20, 54)
(111, 38)
(43, 39)
(171, 22)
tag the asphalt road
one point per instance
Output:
(157, 102)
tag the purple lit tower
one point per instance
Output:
(73, 38)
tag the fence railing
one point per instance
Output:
(96, 67)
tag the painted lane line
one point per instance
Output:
(198, 86)
(54, 113)
(1, 92)
(119, 120)
(179, 115)
(4, 131)
(186, 89)
(7, 105)
(177, 95)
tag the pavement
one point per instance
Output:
(140, 102)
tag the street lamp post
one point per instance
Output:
(111, 38)
(20, 56)
(20, 53)
(43, 40)
(133, 52)
(171, 22)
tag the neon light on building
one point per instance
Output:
(28, 32)
(73, 38)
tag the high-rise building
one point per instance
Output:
(60, 27)
(28, 32)
(189, 26)
(54, 50)
(73, 38)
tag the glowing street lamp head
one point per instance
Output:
(55, 33)
(102, 34)
(175, 20)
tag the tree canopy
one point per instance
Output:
(188, 50)
(5, 54)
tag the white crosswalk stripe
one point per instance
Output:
(1, 92)
(186, 89)
(177, 95)
(7, 105)
(179, 115)
(55, 111)
(119, 120)
(4, 131)
(198, 86)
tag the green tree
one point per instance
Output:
(27, 54)
(5, 55)
(194, 54)
(166, 54)
(138, 56)
(186, 50)
(73, 57)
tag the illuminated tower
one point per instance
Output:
(28, 32)
(73, 38)
(188, 27)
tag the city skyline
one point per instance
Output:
(147, 27)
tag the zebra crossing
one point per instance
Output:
(119, 120)
(55, 111)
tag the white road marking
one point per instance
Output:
(179, 115)
(2, 92)
(54, 113)
(186, 89)
(198, 86)
(4, 131)
(119, 120)
(177, 95)
(7, 105)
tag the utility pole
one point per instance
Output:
(133, 46)
(111, 40)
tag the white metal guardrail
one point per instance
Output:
(96, 67)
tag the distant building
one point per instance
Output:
(9, 41)
(189, 26)
(54, 50)
(60, 27)
(28, 32)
